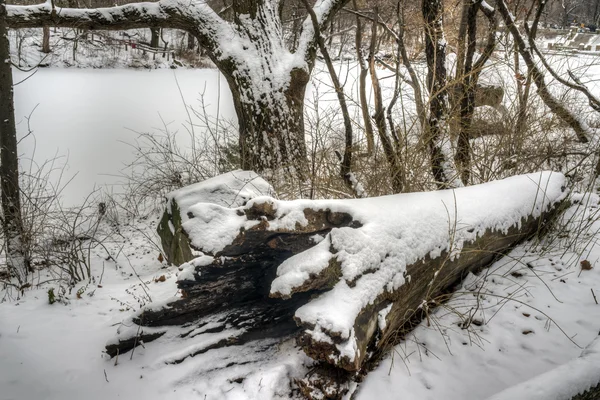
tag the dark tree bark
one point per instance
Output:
(191, 41)
(12, 224)
(46, 40)
(437, 130)
(154, 37)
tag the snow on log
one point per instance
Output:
(232, 189)
(408, 249)
(343, 275)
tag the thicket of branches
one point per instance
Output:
(445, 94)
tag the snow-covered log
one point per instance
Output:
(232, 189)
(407, 251)
(349, 273)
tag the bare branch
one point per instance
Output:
(583, 132)
(324, 11)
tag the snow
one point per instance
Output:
(208, 208)
(535, 313)
(381, 317)
(55, 352)
(188, 272)
(59, 346)
(563, 382)
(374, 257)
(230, 190)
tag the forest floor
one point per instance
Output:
(536, 311)
(536, 307)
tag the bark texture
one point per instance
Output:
(12, 224)
(437, 131)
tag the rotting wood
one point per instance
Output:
(428, 279)
(237, 285)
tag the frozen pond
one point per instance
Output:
(89, 116)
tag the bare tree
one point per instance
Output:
(468, 71)
(582, 130)
(362, 89)
(346, 166)
(266, 78)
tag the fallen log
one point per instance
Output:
(408, 250)
(233, 189)
(343, 275)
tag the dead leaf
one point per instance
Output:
(585, 265)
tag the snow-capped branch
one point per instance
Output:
(195, 17)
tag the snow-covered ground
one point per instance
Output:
(535, 312)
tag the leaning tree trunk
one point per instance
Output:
(12, 223)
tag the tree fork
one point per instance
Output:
(268, 101)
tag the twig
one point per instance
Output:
(593, 294)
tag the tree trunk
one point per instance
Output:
(390, 146)
(239, 281)
(12, 224)
(271, 124)
(437, 132)
(467, 76)
(362, 90)
(46, 40)
(268, 95)
(346, 166)
(191, 41)
(154, 37)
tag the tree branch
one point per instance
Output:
(531, 33)
(190, 17)
(324, 11)
(583, 132)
